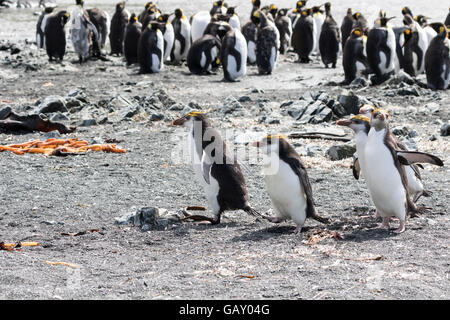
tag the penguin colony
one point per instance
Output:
(379, 50)
(214, 38)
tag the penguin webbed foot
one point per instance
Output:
(401, 228)
(213, 221)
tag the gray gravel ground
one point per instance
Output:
(242, 258)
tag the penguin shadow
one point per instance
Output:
(272, 232)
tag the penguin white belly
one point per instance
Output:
(251, 52)
(383, 179)
(286, 193)
(235, 23)
(157, 63)
(415, 59)
(361, 142)
(319, 19)
(277, 34)
(199, 23)
(241, 48)
(169, 37)
(315, 38)
(390, 42)
(273, 57)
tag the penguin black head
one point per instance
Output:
(256, 17)
(282, 12)
(350, 12)
(148, 5)
(220, 17)
(192, 116)
(133, 18)
(272, 143)
(356, 33)
(179, 13)
(218, 4)
(64, 16)
(358, 123)
(79, 3)
(256, 3)
(406, 10)
(155, 25)
(442, 30)
(317, 9)
(421, 20)
(306, 12)
(164, 17)
(120, 6)
(49, 9)
(357, 15)
(407, 33)
(231, 10)
(301, 4)
(384, 21)
(408, 20)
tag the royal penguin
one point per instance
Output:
(204, 55)
(266, 45)
(168, 34)
(347, 26)
(287, 182)
(83, 32)
(40, 26)
(182, 42)
(55, 35)
(330, 39)
(233, 55)
(437, 61)
(354, 59)
(215, 167)
(303, 36)
(131, 40)
(381, 51)
(233, 20)
(117, 30)
(151, 49)
(319, 19)
(385, 172)
(284, 26)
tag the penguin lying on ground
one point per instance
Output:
(385, 173)
(151, 49)
(216, 168)
(131, 40)
(287, 183)
(204, 55)
(437, 61)
(303, 36)
(381, 51)
(118, 25)
(266, 45)
(354, 59)
(40, 26)
(330, 39)
(347, 26)
(182, 42)
(233, 55)
(55, 35)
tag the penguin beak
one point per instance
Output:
(179, 122)
(344, 122)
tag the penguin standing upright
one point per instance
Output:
(218, 7)
(40, 27)
(143, 14)
(354, 58)
(204, 55)
(361, 22)
(215, 167)
(287, 182)
(303, 36)
(256, 5)
(437, 61)
(249, 30)
(330, 39)
(151, 49)
(427, 29)
(83, 32)
(413, 55)
(347, 26)
(266, 45)
(168, 34)
(151, 15)
(295, 13)
(182, 42)
(118, 25)
(198, 24)
(319, 19)
(381, 52)
(100, 19)
(131, 40)
(284, 26)
(234, 21)
(385, 174)
(233, 55)
(55, 35)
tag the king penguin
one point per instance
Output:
(437, 61)
(447, 20)
(354, 58)
(118, 25)
(40, 26)
(330, 39)
(100, 19)
(168, 34)
(151, 49)
(182, 30)
(381, 51)
(234, 21)
(347, 26)
(413, 54)
(385, 173)
(287, 182)
(233, 55)
(131, 40)
(203, 56)
(215, 167)
(303, 36)
(319, 19)
(55, 35)
(284, 25)
(266, 45)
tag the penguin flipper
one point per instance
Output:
(356, 169)
(411, 157)
(206, 168)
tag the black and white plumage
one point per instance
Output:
(413, 55)
(361, 22)
(447, 20)
(303, 36)
(182, 30)
(168, 34)
(437, 61)
(287, 182)
(330, 39)
(354, 58)
(347, 26)
(284, 25)
(55, 35)
(151, 49)
(40, 27)
(266, 45)
(118, 25)
(217, 29)
(100, 19)
(131, 40)
(233, 55)
(83, 33)
(215, 167)
(151, 15)
(249, 30)
(204, 55)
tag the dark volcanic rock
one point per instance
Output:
(52, 104)
(350, 102)
(445, 130)
(341, 152)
